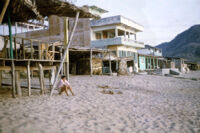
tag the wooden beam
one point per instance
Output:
(18, 83)
(23, 68)
(52, 77)
(29, 79)
(4, 10)
(91, 71)
(41, 78)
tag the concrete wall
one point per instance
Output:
(55, 32)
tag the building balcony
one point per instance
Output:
(116, 41)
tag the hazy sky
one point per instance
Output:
(162, 19)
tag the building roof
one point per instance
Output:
(24, 10)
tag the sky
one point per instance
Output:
(162, 19)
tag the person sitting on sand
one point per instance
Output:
(64, 86)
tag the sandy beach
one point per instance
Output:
(140, 104)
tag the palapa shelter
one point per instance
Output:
(22, 11)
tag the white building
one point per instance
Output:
(118, 34)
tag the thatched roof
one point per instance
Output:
(24, 10)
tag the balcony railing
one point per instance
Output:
(117, 41)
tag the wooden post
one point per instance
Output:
(41, 78)
(13, 79)
(66, 41)
(1, 79)
(52, 77)
(91, 69)
(53, 49)
(18, 83)
(46, 51)
(6, 3)
(31, 49)
(29, 79)
(39, 49)
(23, 47)
(110, 63)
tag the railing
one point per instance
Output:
(24, 48)
(117, 41)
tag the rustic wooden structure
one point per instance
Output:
(35, 55)
(85, 61)
(29, 55)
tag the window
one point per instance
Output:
(98, 35)
(111, 35)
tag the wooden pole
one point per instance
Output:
(91, 68)
(4, 10)
(39, 49)
(18, 83)
(66, 41)
(51, 77)
(23, 49)
(11, 56)
(65, 53)
(41, 78)
(31, 49)
(10, 35)
(29, 79)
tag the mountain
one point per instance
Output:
(185, 45)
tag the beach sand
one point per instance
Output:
(139, 104)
